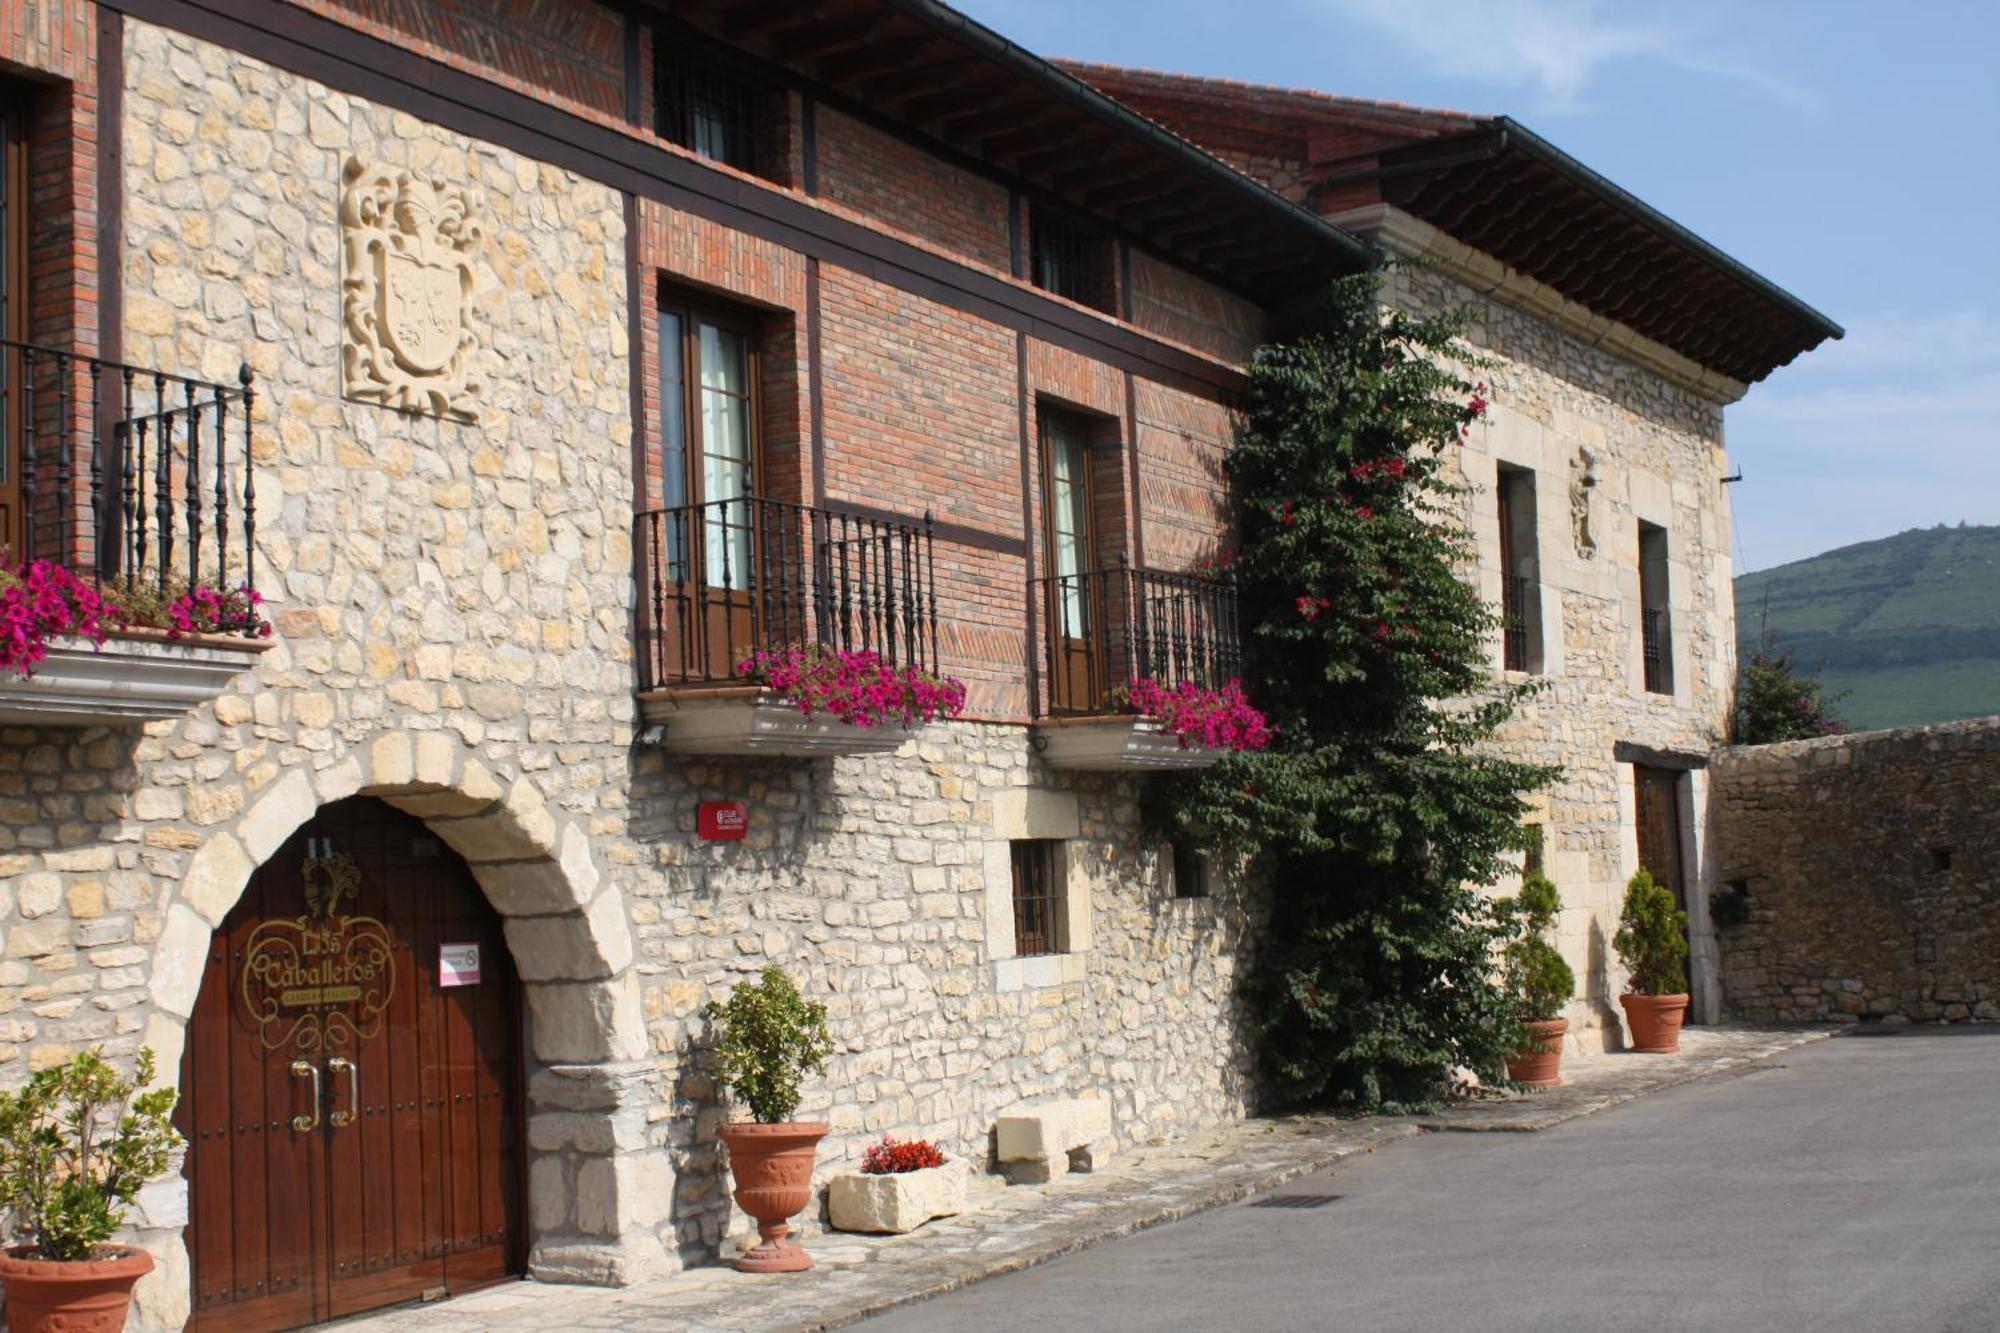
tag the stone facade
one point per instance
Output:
(453, 603)
(1654, 453)
(1871, 868)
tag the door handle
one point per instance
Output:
(305, 1124)
(336, 1065)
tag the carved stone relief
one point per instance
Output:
(409, 339)
(1582, 481)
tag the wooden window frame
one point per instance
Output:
(1040, 897)
(16, 215)
(692, 313)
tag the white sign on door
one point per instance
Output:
(458, 964)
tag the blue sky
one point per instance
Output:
(1843, 149)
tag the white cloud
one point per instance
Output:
(1559, 49)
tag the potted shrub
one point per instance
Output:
(770, 1037)
(1540, 981)
(76, 1143)
(901, 1186)
(1652, 943)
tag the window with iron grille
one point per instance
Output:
(711, 110)
(1190, 870)
(1038, 897)
(1520, 582)
(1070, 258)
(1656, 642)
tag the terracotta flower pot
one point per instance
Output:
(1655, 1021)
(88, 1296)
(1538, 1064)
(773, 1167)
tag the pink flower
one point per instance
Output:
(857, 687)
(1213, 719)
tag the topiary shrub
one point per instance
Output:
(1533, 969)
(75, 1146)
(1652, 938)
(770, 1038)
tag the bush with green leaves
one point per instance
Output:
(76, 1143)
(1380, 806)
(1534, 969)
(1652, 938)
(769, 1037)
(1776, 701)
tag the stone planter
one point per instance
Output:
(88, 1296)
(749, 723)
(1540, 1064)
(897, 1202)
(1655, 1021)
(773, 1166)
(1116, 744)
(136, 676)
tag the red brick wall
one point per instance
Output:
(1176, 304)
(886, 178)
(1182, 440)
(567, 51)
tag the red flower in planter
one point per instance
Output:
(891, 1158)
(1214, 719)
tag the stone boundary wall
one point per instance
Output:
(1872, 865)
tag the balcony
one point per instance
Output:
(1103, 629)
(139, 484)
(720, 581)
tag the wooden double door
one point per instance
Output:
(351, 1085)
(1657, 810)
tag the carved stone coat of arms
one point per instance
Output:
(410, 341)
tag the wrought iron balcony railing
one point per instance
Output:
(127, 472)
(1656, 648)
(1102, 628)
(720, 580)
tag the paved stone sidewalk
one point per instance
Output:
(1014, 1227)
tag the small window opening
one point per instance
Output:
(1941, 859)
(1190, 870)
(1037, 897)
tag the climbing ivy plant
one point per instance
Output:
(1378, 810)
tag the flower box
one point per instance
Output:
(1111, 744)
(752, 723)
(135, 676)
(896, 1202)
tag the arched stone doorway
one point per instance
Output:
(352, 1082)
(598, 1188)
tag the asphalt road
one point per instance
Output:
(1852, 1184)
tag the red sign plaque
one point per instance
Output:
(723, 821)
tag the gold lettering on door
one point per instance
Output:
(322, 980)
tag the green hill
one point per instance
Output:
(1908, 627)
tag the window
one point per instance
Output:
(1534, 861)
(1520, 571)
(1656, 641)
(1190, 870)
(1038, 897)
(713, 111)
(1070, 258)
(13, 313)
(708, 439)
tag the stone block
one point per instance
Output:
(897, 1202)
(596, 1020)
(277, 814)
(1036, 1143)
(179, 959)
(215, 878)
(580, 947)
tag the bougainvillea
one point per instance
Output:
(891, 1158)
(857, 687)
(1214, 719)
(1378, 809)
(42, 600)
